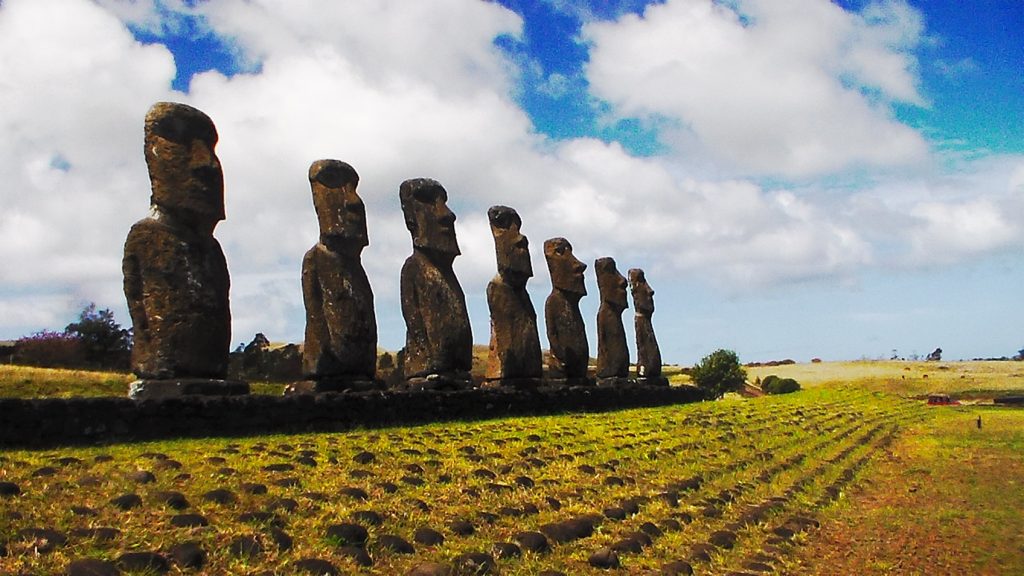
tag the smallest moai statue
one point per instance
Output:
(648, 354)
(514, 358)
(340, 351)
(612, 352)
(567, 335)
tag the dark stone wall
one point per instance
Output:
(55, 422)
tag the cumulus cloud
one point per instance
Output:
(794, 89)
(403, 90)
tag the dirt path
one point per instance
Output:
(947, 498)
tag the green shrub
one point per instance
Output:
(718, 373)
(774, 385)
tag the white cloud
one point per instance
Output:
(794, 89)
(404, 90)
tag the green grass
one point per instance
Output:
(734, 445)
(916, 489)
(31, 382)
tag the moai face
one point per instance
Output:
(339, 210)
(185, 172)
(511, 247)
(432, 224)
(643, 294)
(565, 269)
(610, 283)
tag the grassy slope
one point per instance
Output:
(943, 498)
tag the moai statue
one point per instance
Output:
(438, 339)
(567, 335)
(612, 353)
(340, 352)
(175, 276)
(648, 355)
(515, 357)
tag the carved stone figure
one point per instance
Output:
(438, 339)
(612, 353)
(515, 357)
(567, 335)
(648, 354)
(175, 276)
(340, 352)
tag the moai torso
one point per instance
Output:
(340, 350)
(612, 353)
(567, 334)
(648, 354)
(439, 341)
(514, 357)
(175, 276)
(176, 283)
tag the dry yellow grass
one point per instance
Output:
(975, 379)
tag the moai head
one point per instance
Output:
(611, 284)
(565, 269)
(339, 210)
(185, 173)
(511, 247)
(643, 294)
(432, 224)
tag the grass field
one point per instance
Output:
(850, 476)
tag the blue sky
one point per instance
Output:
(799, 179)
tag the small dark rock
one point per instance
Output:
(461, 527)
(280, 538)
(615, 513)
(127, 501)
(358, 555)
(430, 569)
(347, 534)
(605, 559)
(474, 563)
(44, 540)
(368, 517)
(677, 568)
(723, 539)
(533, 542)
(506, 550)
(9, 489)
(315, 567)
(245, 547)
(395, 544)
(83, 511)
(252, 488)
(221, 496)
(628, 546)
(91, 567)
(142, 477)
(188, 555)
(189, 521)
(363, 458)
(355, 493)
(44, 472)
(150, 562)
(279, 467)
(428, 537)
(175, 500)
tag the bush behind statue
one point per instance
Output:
(772, 384)
(718, 373)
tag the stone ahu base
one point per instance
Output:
(452, 381)
(147, 389)
(518, 383)
(656, 381)
(616, 382)
(319, 386)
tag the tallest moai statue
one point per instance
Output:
(175, 276)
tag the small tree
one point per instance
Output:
(104, 343)
(718, 373)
